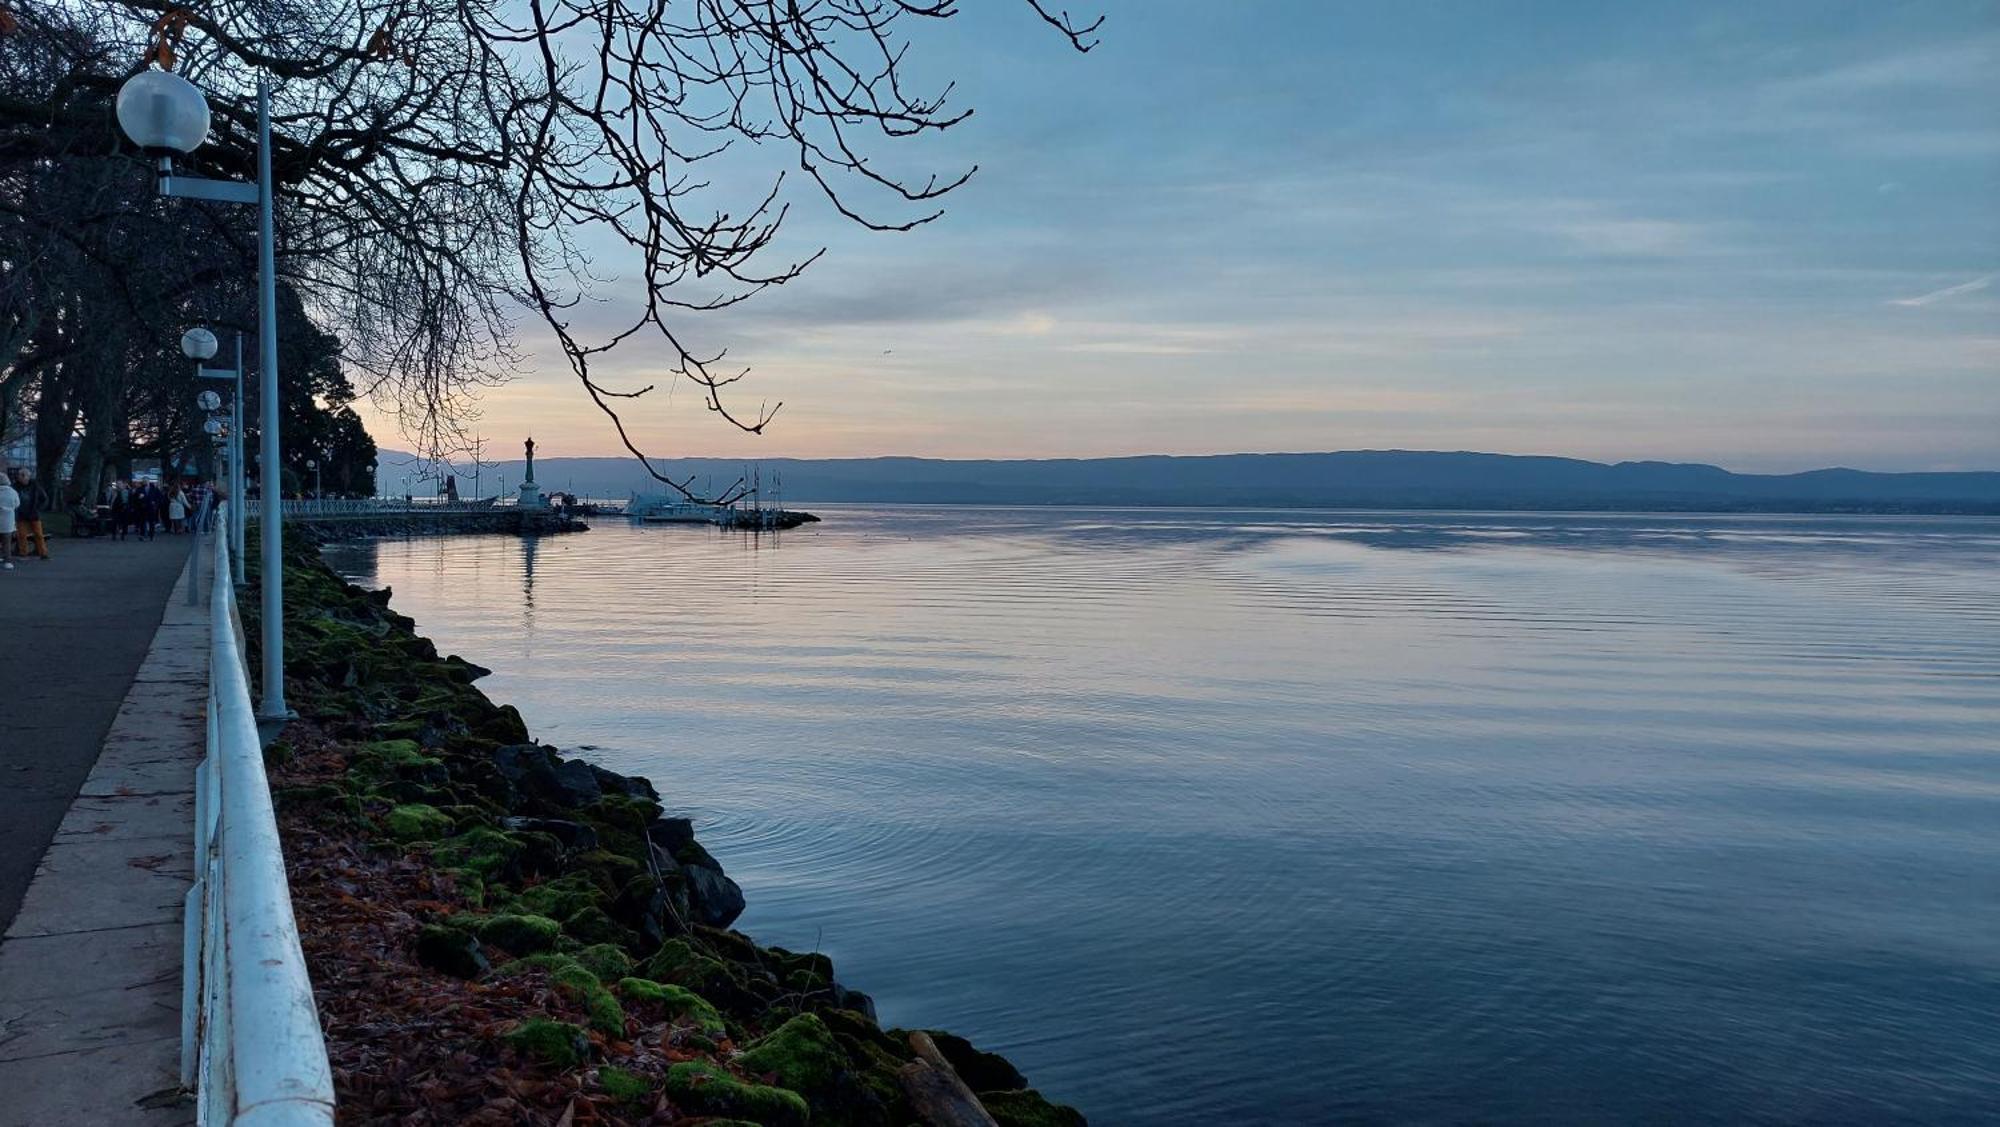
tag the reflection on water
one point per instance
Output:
(1280, 817)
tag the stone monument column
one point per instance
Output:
(531, 494)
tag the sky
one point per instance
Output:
(1764, 236)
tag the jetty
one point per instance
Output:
(421, 517)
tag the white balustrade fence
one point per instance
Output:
(250, 1039)
(375, 506)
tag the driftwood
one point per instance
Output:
(937, 1093)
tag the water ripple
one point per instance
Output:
(1281, 817)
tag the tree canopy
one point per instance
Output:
(447, 167)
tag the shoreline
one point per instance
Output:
(490, 923)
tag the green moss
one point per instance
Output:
(546, 961)
(519, 934)
(704, 1089)
(608, 962)
(1027, 1108)
(560, 898)
(417, 822)
(678, 962)
(677, 1001)
(381, 761)
(801, 1053)
(451, 950)
(470, 885)
(556, 1043)
(593, 926)
(623, 1085)
(577, 982)
(612, 870)
(487, 852)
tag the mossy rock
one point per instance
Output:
(606, 1015)
(593, 926)
(520, 934)
(488, 852)
(607, 961)
(547, 960)
(624, 1085)
(541, 853)
(559, 898)
(451, 950)
(417, 822)
(1027, 1108)
(801, 1054)
(503, 724)
(703, 1088)
(679, 963)
(981, 1071)
(556, 1043)
(862, 1029)
(387, 758)
(611, 870)
(470, 885)
(677, 1001)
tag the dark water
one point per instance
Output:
(1276, 817)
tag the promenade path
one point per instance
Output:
(105, 674)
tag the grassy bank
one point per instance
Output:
(498, 934)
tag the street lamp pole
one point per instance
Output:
(164, 114)
(199, 345)
(236, 475)
(271, 532)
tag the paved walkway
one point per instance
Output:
(72, 633)
(98, 760)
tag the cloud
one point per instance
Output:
(1935, 296)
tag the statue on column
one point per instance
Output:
(531, 494)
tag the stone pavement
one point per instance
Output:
(90, 966)
(72, 633)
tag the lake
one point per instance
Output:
(1258, 817)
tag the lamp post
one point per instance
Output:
(199, 344)
(164, 114)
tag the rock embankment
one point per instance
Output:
(442, 522)
(498, 933)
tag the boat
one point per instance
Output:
(675, 510)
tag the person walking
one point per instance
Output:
(10, 500)
(149, 501)
(177, 511)
(28, 519)
(121, 510)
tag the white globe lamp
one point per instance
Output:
(198, 344)
(162, 112)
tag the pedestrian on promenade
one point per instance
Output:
(9, 501)
(120, 500)
(147, 502)
(28, 519)
(177, 511)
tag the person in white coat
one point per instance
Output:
(9, 501)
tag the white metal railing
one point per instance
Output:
(250, 1039)
(375, 506)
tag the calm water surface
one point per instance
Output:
(1281, 817)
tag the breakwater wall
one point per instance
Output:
(418, 522)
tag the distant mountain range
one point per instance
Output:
(1362, 479)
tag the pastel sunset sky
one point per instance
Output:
(1761, 235)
